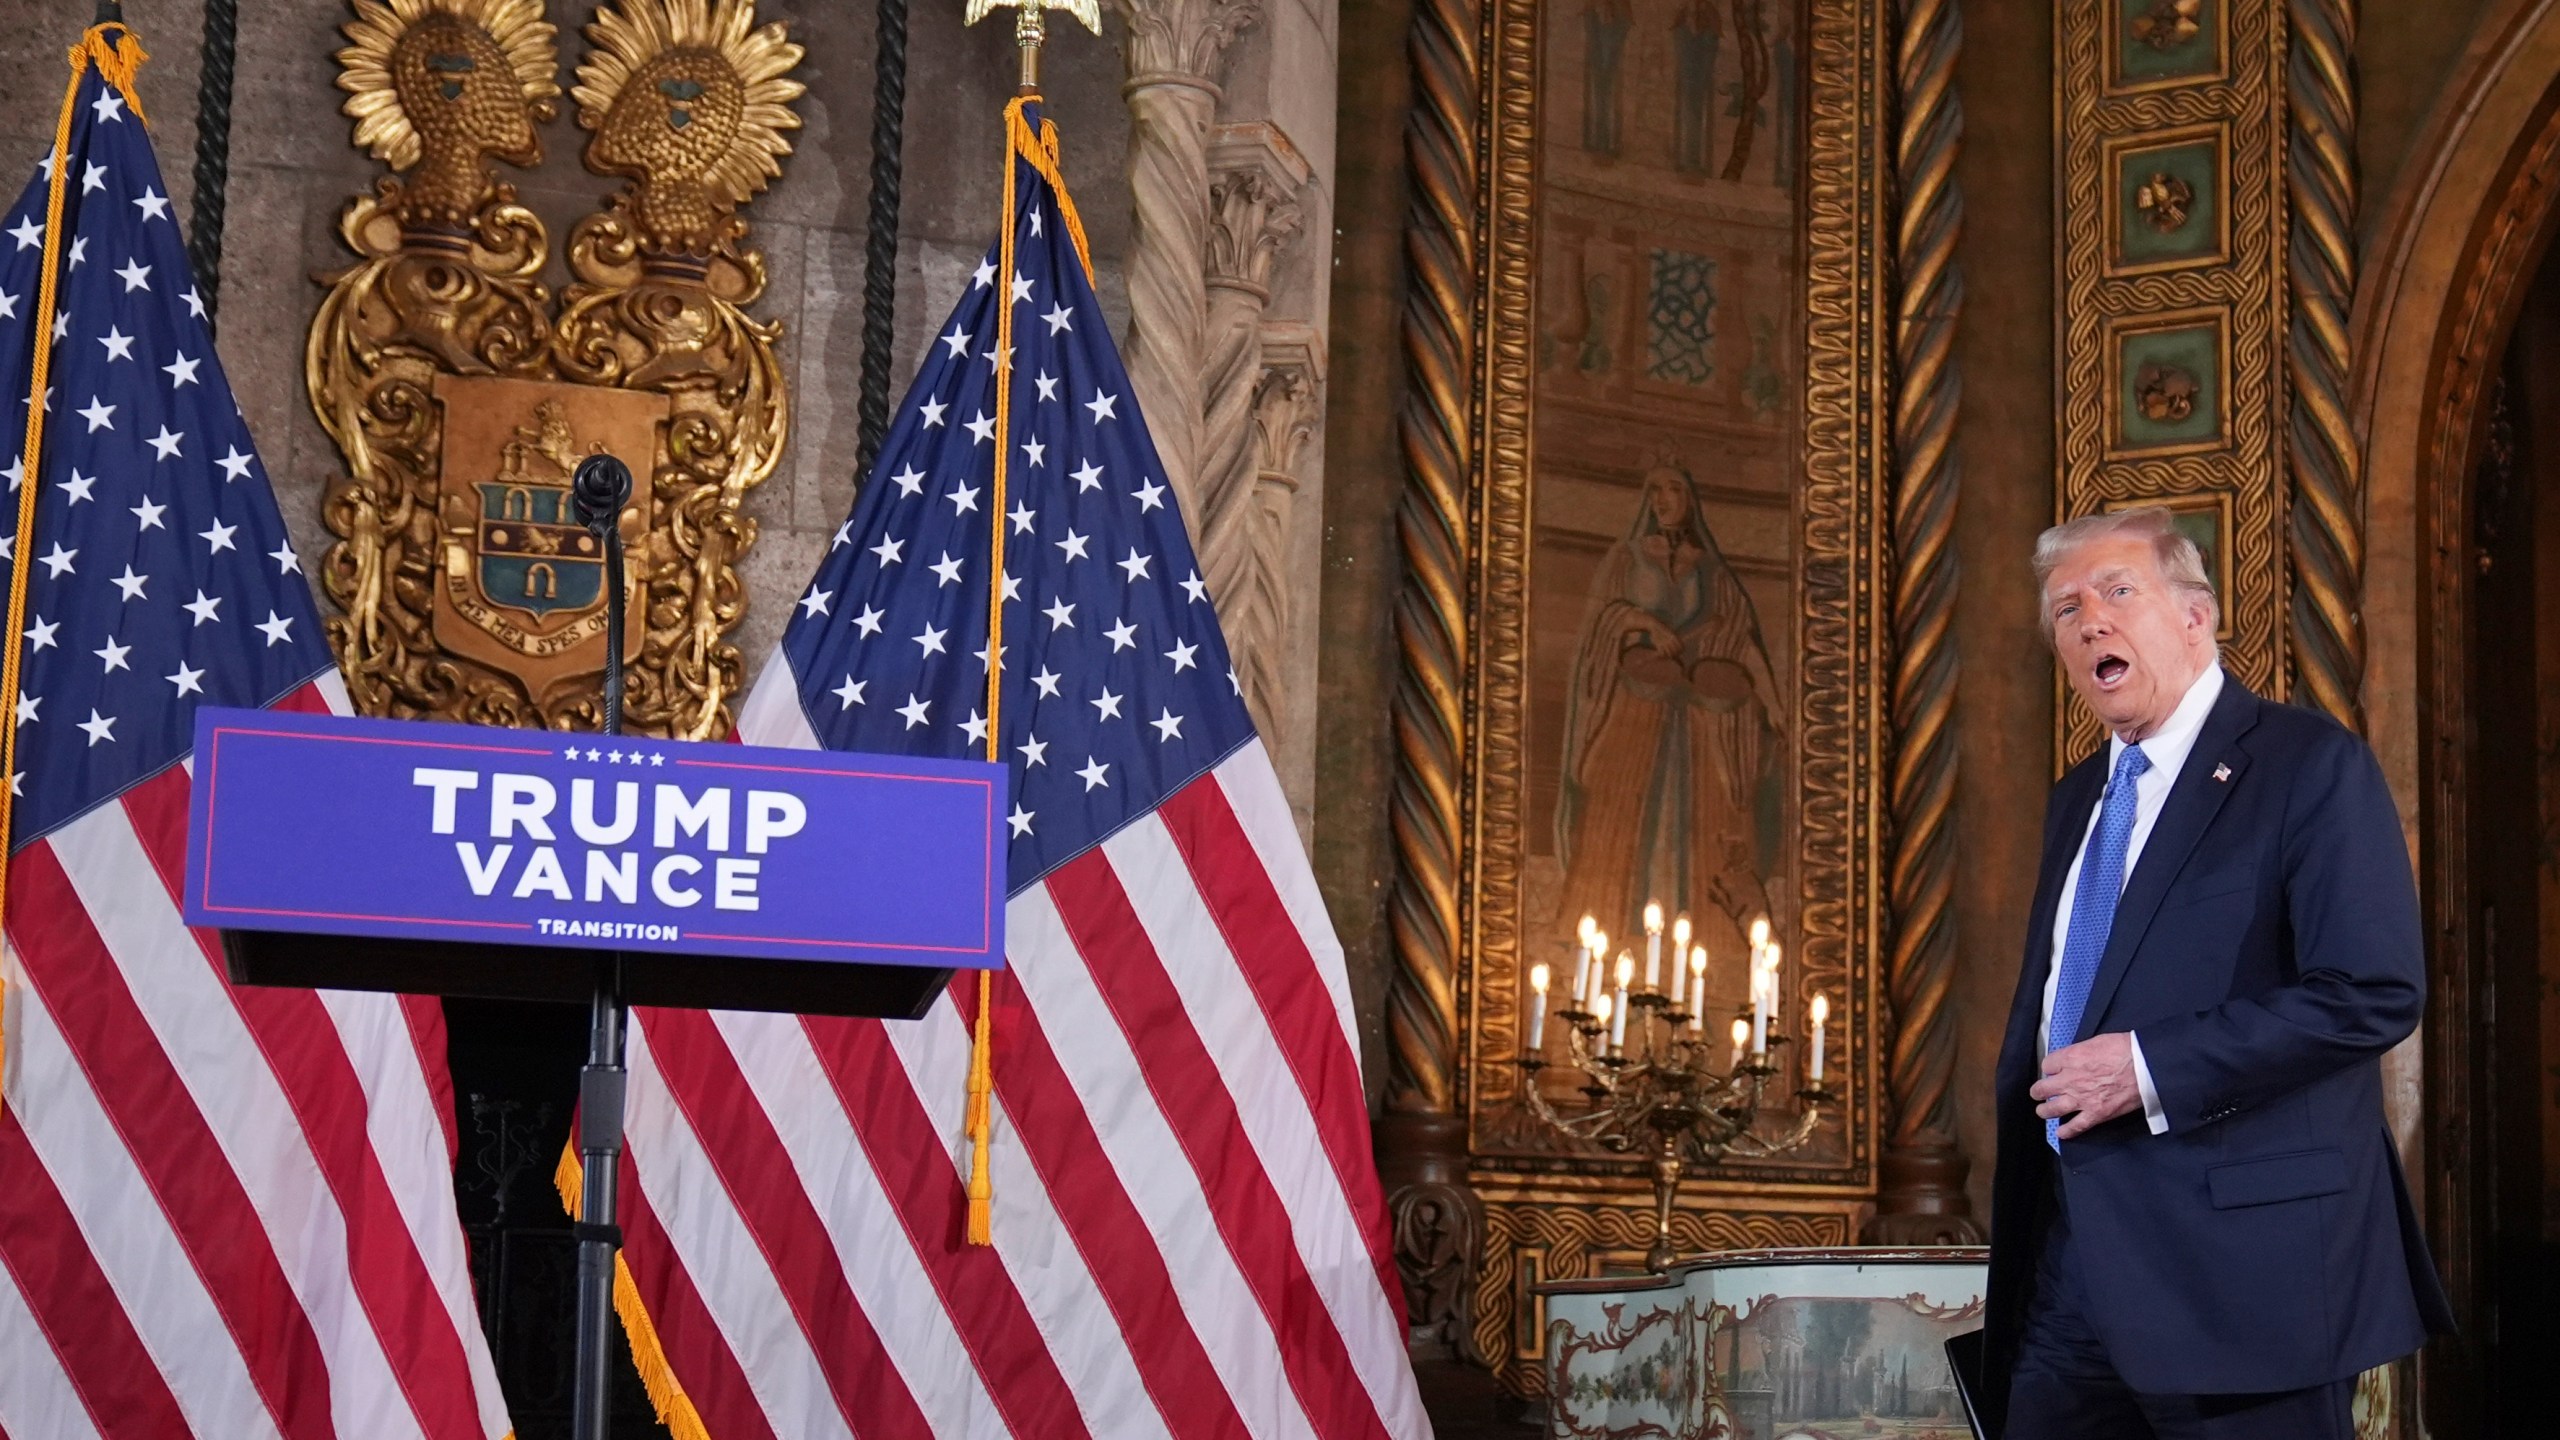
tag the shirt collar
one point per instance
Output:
(2167, 750)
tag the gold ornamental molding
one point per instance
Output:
(462, 394)
(2171, 211)
(1465, 1166)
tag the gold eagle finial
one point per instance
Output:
(1027, 27)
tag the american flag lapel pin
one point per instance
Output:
(2222, 773)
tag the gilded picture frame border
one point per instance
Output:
(1565, 1207)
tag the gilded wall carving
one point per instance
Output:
(2172, 294)
(1754, 487)
(462, 394)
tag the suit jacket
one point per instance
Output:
(2267, 950)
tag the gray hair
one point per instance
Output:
(2180, 562)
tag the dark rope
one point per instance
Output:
(213, 150)
(880, 264)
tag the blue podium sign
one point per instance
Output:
(407, 829)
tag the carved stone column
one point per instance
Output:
(1255, 175)
(1174, 52)
(1247, 553)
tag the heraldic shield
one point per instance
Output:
(462, 393)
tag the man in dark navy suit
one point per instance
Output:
(2200, 1225)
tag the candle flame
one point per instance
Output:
(1759, 932)
(1626, 967)
(1588, 928)
(1599, 942)
(1652, 917)
(1821, 1008)
(1600, 1010)
(1741, 1032)
(1773, 957)
(1680, 932)
(1698, 960)
(1538, 979)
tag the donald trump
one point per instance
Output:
(2200, 1228)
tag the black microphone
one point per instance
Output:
(599, 490)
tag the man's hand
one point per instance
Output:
(2088, 1084)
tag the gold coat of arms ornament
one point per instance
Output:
(462, 393)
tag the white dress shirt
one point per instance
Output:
(2167, 752)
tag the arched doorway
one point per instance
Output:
(2458, 393)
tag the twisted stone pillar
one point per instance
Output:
(1175, 49)
(1255, 175)
(2327, 513)
(1287, 407)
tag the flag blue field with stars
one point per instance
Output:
(163, 575)
(1117, 687)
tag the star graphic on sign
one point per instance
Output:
(958, 340)
(931, 640)
(963, 499)
(1088, 476)
(1123, 635)
(1020, 820)
(119, 344)
(914, 710)
(1047, 681)
(1101, 404)
(187, 680)
(1093, 774)
(975, 727)
(594, 755)
(164, 446)
(1021, 288)
(1108, 706)
(868, 622)
(181, 372)
(57, 563)
(277, 628)
(1168, 725)
(569, 754)
(287, 563)
(77, 488)
(234, 463)
(204, 608)
(40, 634)
(114, 654)
(889, 550)
(815, 602)
(933, 410)
(1181, 655)
(130, 583)
(151, 203)
(1059, 318)
(909, 481)
(1150, 496)
(149, 514)
(946, 571)
(849, 694)
(1033, 752)
(219, 537)
(1048, 384)
(1073, 546)
(1195, 588)
(135, 275)
(99, 414)
(1062, 616)
(98, 727)
(108, 106)
(1136, 565)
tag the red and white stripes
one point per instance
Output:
(229, 1209)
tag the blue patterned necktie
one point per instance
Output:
(2093, 908)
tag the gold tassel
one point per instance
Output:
(648, 1355)
(981, 1122)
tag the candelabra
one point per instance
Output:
(1660, 1096)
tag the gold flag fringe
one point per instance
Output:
(648, 1355)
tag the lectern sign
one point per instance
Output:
(528, 837)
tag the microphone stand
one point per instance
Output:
(598, 491)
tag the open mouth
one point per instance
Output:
(2110, 670)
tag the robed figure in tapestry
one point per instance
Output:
(1670, 764)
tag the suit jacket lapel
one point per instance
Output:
(2193, 802)
(2074, 798)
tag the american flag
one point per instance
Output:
(228, 1211)
(1188, 1234)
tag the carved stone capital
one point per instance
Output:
(1182, 41)
(1288, 400)
(1255, 176)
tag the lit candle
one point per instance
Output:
(1538, 1015)
(1821, 1017)
(1652, 945)
(1680, 963)
(1626, 976)
(1600, 1017)
(1741, 1037)
(1698, 988)
(1582, 962)
(1599, 964)
(1759, 932)
(1760, 1004)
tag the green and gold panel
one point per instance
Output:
(2167, 389)
(2157, 43)
(2165, 206)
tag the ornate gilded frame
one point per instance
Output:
(1458, 817)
